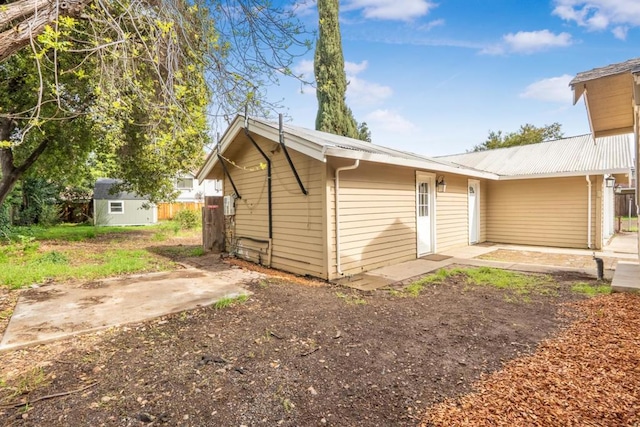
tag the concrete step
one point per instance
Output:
(626, 277)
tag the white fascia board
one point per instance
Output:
(413, 163)
(228, 136)
(564, 174)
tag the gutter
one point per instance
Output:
(337, 209)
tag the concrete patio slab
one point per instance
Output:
(627, 277)
(56, 311)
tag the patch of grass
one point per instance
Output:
(199, 251)
(439, 276)
(519, 285)
(351, 299)
(71, 232)
(229, 301)
(591, 290)
(37, 268)
(24, 384)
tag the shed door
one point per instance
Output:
(424, 214)
(474, 211)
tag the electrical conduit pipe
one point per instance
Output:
(337, 209)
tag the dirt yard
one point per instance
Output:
(294, 354)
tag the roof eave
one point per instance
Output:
(418, 164)
(565, 174)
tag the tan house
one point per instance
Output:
(323, 205)
(612, 97)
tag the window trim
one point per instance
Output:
(178, 180)
(112, 202)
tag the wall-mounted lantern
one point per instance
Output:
(610, 181)
(441, 184)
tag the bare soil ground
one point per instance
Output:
(551, 259)
(294, 354)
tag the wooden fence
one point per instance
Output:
(168, 210)
(622, 205)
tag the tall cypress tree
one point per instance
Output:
(333, 114)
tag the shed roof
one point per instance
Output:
(631, 65)
(579, 155)
(101, 191)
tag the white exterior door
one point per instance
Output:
(474, 211)
(425, 213)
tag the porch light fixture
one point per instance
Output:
(610, 181)
(441, 184)
(618, 189)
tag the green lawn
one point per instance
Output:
(27, 260)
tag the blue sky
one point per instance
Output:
(434, 77)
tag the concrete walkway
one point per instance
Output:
(57, 311)
(622, 246)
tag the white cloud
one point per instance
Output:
(529, 42)
(304, 7)
(599, 15)
(394, 10)
(363, 92)
(389, 121)
(532, 41)
(432, 24)
(553, 89)
(620, 32)
(359, 91)
(354, 68)
(304, 68)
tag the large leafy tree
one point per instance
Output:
(334, 116)
(128, 85)
(527, 134)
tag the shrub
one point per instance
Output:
(187, 219)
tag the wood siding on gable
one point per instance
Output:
(542, 212)
(377, 216)
(297, 219)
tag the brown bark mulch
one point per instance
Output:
(589, 375)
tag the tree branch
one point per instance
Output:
(41, 15)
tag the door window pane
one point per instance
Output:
(423, 199)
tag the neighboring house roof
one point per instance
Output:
(632, 65)
(578, 155)
(320, 145)
(102, 187)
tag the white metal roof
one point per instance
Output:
(320, 145)
(566, 157)
(578, 155)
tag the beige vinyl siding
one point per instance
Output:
(297, 219)
(377, 216)
(544, 212)
(452, 214)
(483, 211)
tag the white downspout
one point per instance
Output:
(337, 209)
(589, 212)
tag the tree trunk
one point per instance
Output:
(10, 173)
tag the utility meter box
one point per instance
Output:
(229, 208)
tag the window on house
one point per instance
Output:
(184, 183)
(116, 207)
